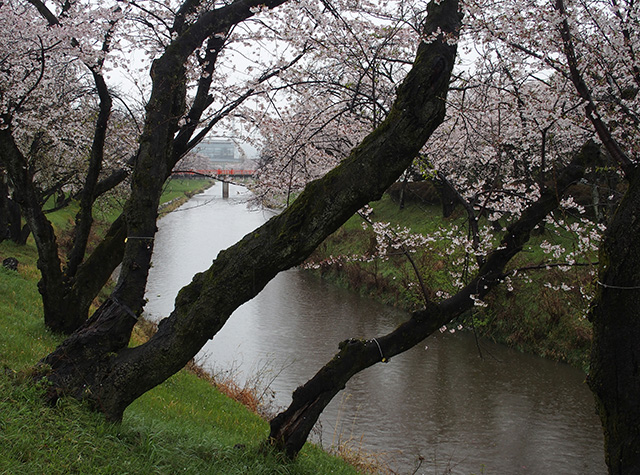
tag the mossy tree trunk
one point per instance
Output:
(95, 363)
(68, 288)
(290, 429)
(614, 376)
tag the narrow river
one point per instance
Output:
(457, 407)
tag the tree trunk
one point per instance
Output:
(5, 202)
(111, 375)
(448, 198)
(84, 218)
(67, 311)
(66, 297)
(614, 376)
(27, 196)
(290, 429)
(403, 192)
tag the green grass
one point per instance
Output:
(23, 338)
(179, 187)
(531, 318)
(185, 425)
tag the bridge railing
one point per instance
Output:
(234, 172)
(227, 172)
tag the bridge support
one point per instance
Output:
(225, 189)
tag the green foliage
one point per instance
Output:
(532, 317)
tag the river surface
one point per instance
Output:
(459, 408)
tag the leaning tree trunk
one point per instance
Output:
(614, 376)
(95, 363)
(290, 429)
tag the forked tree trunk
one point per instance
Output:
(66, 297)
(68, 310)
(614, 376)
(111, 376)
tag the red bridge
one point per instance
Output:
(218, 172)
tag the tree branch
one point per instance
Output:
(602, 129)
(289, 429)
(240, 272)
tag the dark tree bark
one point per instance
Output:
(29, 200)
(69, 288)
(66, 296)
(10, 222)
(614, 376)
(290, 429)
(95, 364)
(4, 208)
(448, 197)
(84, 218)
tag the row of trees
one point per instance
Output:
(344, 106)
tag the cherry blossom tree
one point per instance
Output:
(372, 126)
(95, 363)
(549, 77)
(53, 132)
(61, 132)
(470, 148)
(593, 47)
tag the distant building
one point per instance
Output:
(213, 154)
(216, 150)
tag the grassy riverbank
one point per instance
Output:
(530, 316)
(185, 425)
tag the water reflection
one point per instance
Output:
(506, 413)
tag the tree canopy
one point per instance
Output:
(345, 97)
